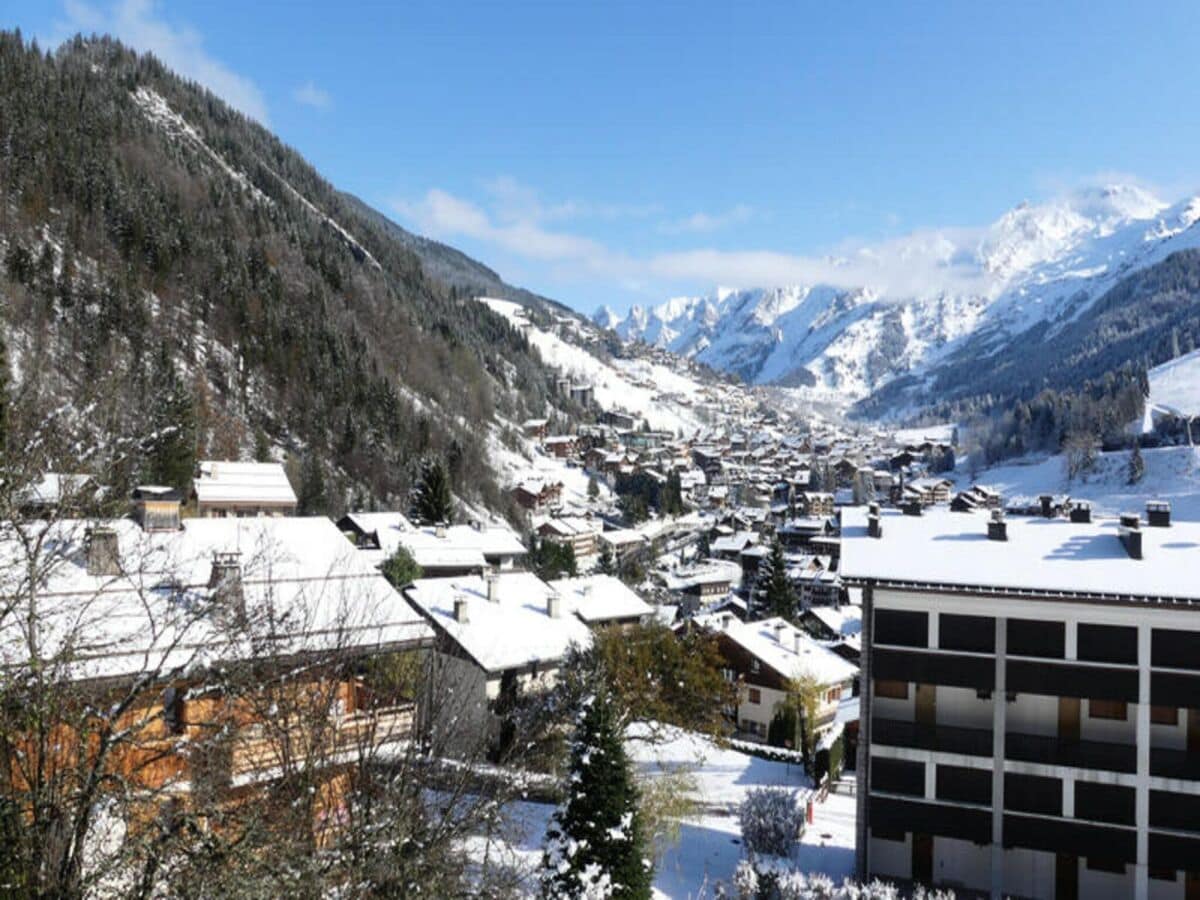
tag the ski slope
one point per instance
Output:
(1175, 386)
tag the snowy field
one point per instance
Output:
(1175, 385)
(1172, 473)
(941, 433)
(709, 847)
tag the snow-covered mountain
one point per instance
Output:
(905, 305)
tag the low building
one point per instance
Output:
(602, 600)
(577, 532)
(1030, 705)
(440, 550)
(764, 657)
(239, 489)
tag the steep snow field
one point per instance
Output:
(1175, 385)
(1172, 473)
(615, 388)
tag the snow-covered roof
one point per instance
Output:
(451, 547)
(514, 630)
(786, 649)
(243, 482)
(712, 572)
(735, 542)
(623, 537)
(843, 620)
(597, 599)
(159, 613)
(1052, 555)
(50, 489)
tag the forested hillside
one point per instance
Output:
(170, 264)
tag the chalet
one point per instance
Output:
(622, 421)
(579, 533)
(535, 428)
(811, 504)
(976, 497)
(536, 496)
(171, 610)
(930, 490)
(440, 551)
(495, 634)
(624, 543)
(704, 582)
(602, 601)
(238, 489)
(731, 546)
(560, 446)
(798, 534)
(764, 657)
(55, 491)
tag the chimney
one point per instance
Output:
(492, 580)
(156, 508)
(1081, 512)
(997, 527)
(554, 605)
(874, 526)
(1047, 502)
(726, 621)
(779, 629)
(911, 508)
(460, 610)
(873, 508)
(1158, 514)
(1131, 535)
(796, 640)
(439, 530)
(225, 582)
(103, 552)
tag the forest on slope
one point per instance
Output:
(171, 268)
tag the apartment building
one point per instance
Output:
(1031, 702)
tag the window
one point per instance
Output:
(894, 690)
(1033, 637)
(1104, 802)
(755, 695)
(172, 701)
(1108, 709)
(907, 629)
(976, 634)
(833, 695)
(964, 785)
(1032, 793)
(1107, 643)
(1164, 715)
(754, 666)
(897, 776)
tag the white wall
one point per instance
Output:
(1167, 890)
(962, 864)
(1033, 714)
(1105, 884)
(891, 859)
(961, 708)
(1111, 730)
(1030, 873)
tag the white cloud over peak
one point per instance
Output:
(308, 94)
(139, 24)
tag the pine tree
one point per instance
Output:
(595, 845)
(313, 499)
(606, 564)
(171, 443)
(593, 487)
(1137, 465)
(779, 597)
(432, 500)
(400, 568)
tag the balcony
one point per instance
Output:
(1175, 764)
(940, 738)
(1078, 754)
(256, 750)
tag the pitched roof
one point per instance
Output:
(243, 482)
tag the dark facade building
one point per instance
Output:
(1030, 720)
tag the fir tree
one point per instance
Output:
(432, 500)
(313, 498)
(779, 597)
(593, 487)
(171, 444)
(606, 564)
(400, 568)
(595, 845)
(1137, 465)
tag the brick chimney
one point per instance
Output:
(1081, 512)
(1158, 514)
(554, 605)
(997, 527)
(1130, 534)
(491, 579)
(225, 582)
(460, 610)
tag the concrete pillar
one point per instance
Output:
(1141, 874)
(999, 715)
(1071, 632)
(1068, 798)
(862, 833)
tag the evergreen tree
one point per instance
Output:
(606, 564)
(779, 597)
(595, 846)
(593, 487)
(551, 560)
(313, 498)
(1137, 465)
(400, 568)
(171, 443)
(432, 500)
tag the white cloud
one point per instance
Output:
(308, 94)
(700, 222)
(138, 24)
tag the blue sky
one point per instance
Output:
(622, 152)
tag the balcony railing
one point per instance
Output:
(258, 750)
(1053, 751)
(942, 738)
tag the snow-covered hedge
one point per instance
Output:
(772, 820)
(766, 751)
(777, 880)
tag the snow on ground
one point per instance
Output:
(614, 390)
(1172, 473)
(709, 847)
(941, 433)
(1175, 386)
